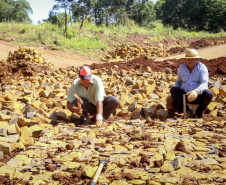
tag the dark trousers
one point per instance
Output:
(203, 100)
(110, 103)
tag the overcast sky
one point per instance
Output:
(41, 9)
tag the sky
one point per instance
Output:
(41, 9)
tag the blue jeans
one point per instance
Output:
(203, 100)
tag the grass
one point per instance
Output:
(88, 40)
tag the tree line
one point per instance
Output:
(194, 15)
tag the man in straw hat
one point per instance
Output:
(89, 90)
(192, 80)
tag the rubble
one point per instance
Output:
(43, 143)
(126, 53)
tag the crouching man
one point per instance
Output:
(89, 90)
(192, 80)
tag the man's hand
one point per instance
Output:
(78, 111)
(100, 123)
(192, 95)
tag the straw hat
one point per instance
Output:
(191, 53)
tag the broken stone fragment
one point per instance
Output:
(211, 106)
(169, 156)
(22, 121)
(89, 171)
(3, 128)
(121, 182)
(1, 155)
(18, 146)
(36, 131)
(222, 90)
(4, 117)
(26, 136)
(167, 167)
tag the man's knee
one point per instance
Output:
(174, 90)
(115, 101)
(208, 94)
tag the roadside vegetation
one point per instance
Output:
(91, 39)
(93, 27)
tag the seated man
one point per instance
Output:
(89, 89)
(192, 80)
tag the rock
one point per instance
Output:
(36, 131)
(26, 136)
(1, 155)
(167, 167)
(5, 148)
(22, 121)
(162, 114)
(222, 90)
(4, 117)
(89, 171)
(3, 128)
(117, 182)
(169, 156)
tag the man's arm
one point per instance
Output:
(178, 82)
(99, 116)
(73, 108)
(99, 106)
(204, 78)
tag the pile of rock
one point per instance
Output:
(128, 52)
(29, 54)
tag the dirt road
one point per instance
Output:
(56, 57)
(64, 59)
(207, 53)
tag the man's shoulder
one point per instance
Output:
(201, 65)
(96, 78)
(183, 65)
(76, 81)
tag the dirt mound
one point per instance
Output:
(175, 50)
(19, 70)
(215, 66)
(200, 43)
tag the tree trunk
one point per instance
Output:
(83, 18)
(65, 22)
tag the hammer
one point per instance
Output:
(79, 100)
(101, 165)
(184, 105)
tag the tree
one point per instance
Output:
(158, 9)
(56, 18)
(143, 12)
(216, 15)
(15, 10)
(197, 15)
(172, 13)
(65, 4)
(21, 10)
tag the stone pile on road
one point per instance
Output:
(128, 52)
(29, 54)
(146, 146)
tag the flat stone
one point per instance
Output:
(167, 167)
(89, 171)
(117, 182)
(5, 148)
